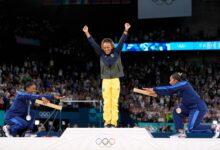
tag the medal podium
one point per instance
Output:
(108, 139)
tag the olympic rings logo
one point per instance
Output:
(105, 141)
(160, 2)
(44, 114)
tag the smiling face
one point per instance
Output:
(173, 81)
(107, 45)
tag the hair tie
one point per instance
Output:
(179, 73)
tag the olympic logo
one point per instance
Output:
(44, 114)
(105, 141)
(160, 2)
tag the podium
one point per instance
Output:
(113, 138)
(108, 139)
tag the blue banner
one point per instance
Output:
(170, 46)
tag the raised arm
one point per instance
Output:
(92, 42)
(123, 37)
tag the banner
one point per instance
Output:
(171, 46)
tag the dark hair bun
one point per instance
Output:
(179, 76)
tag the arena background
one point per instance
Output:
(42, 40)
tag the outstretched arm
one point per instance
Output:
(123, 37)
(57, 97)
(44, 97)
(92, 42)
(167, 90)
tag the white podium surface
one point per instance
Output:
(113, 138)
(107, 139)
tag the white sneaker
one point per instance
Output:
(217, 131)
(178, 135)
(7, 133)
(29, 134)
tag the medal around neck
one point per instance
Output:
(28, 117)
(178, 110)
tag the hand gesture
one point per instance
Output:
(59, 97)
(127, 26)
(85, 29)
(45, 101)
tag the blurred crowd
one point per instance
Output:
(83, 83)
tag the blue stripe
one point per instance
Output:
(195, 115)
(16, 121)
